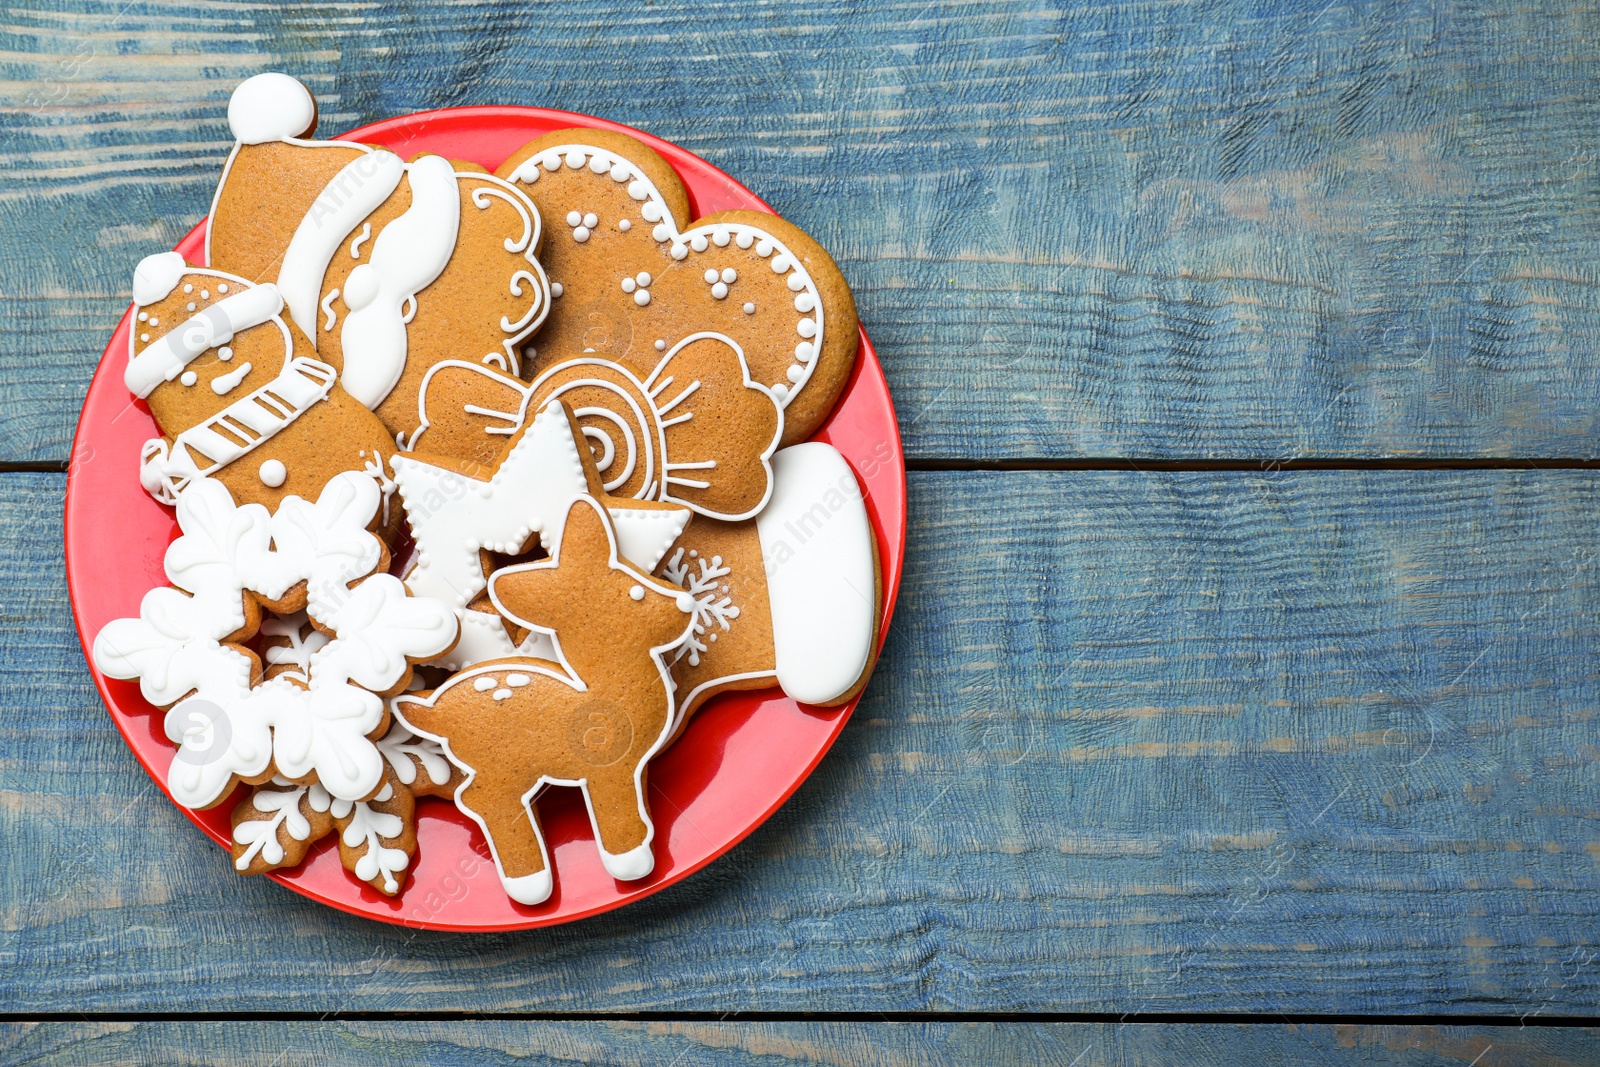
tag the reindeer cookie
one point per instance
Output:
(188, 646)
(632, 277)
(388, 266)
(277, 824)
(238, 393)
(592, 718)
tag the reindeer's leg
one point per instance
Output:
(625, 832)
(515, 837)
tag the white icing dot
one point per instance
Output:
(749, 309)
(530, 353)
(591, 220)
(625, 225)
(796, 283)
(574, 219)
(720, 290)
(144, 316)
(224, 353)
(205, 294)
(223, 288)
(191, 305)
(598, 164)
(188, 288)
(189, 377)
(780, 264)
(661, 346)
(619, 171)
(804, 302)
(804, 351)
(680, 252)
(581, 234)
(764, 249)
(730, 275)
(713, 637)
(527, 174)
(517, 681)
(806, 328)
(273, 473)
(556, 289)
(710, 276)
(502, 694)
(637, 592)
(698, 242)
(642, 297)
(720, 238)
(780, 391)
(484, 683)
(154, 321)
(144, 337)
(643, 277)
(744, 240)
(552, 162)
(629, 285)
(796, 373)
(638, 189)
(651, 212)
(661, 232)
(576, 158)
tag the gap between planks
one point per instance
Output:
(1134, 1018)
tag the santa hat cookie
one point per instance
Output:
(633, 277)
(238, 393)
(388, 266)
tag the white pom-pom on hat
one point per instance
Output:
(156, 275)
(270, 107)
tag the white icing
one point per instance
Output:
(270, 107)
(188, 377)
(236, 430)
(223, 384)
(273, 473)
(407, 256)
(817, 549)
(172, 352)
(348, 198)
(173, 646)
(156, 276)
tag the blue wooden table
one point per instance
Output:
(1247, 358)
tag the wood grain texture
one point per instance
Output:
(692, 1044)
(1305, 742)
(1185, 228)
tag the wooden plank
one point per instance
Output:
(1121, 229)
(1305, 742)
(690, 1044)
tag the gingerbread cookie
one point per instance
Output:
(387, 266)
(460, 510)
(593, 718)
(791, 598)
(632, 277)
(187, 648)
(695, 430)
(277, 824)
(238, 392)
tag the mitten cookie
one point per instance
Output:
(695, 430)
(460, 510)
(632, 277)
(790, 598)
(238, 393)
(277, 824)
(388, 266)
(593, 718)
(187, 649)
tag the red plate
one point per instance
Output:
(739, 760)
